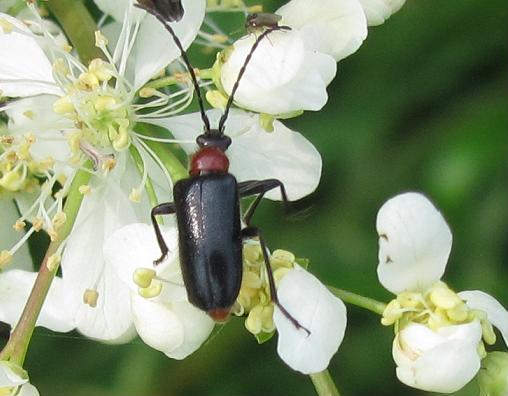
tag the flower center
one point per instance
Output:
(97, 103)
(437, 307)
(254, 297)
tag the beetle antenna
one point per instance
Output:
(224, 117)
(178, 43)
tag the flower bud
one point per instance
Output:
(493, 377)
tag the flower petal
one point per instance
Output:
(25, 70)
(414, 243)
(378, 11)
(9, 237)
(319, 311)
(15, 287)
(135, 246)
(197, 326)
(334, 27)
(104, 211)
(496, 314)
(154, 48)
(282, 76)
(442, 361)
(28, 390)
(255, 154)
(157, 325)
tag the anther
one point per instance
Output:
(19, 225)
(143, 277)
(5, 258)
(90, 297)
(53, 262)
(153, 290)
(85, 189)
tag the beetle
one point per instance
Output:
(207, 208)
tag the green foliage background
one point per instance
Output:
(421, 106)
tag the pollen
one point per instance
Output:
(90, 297)
(135, 195)
(37, 224)
(100, 39)
(85, 189)
(19, 225)
(87, 81)
(53, 262)
(63, 105)
(5, 258)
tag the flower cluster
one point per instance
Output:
(440, 335)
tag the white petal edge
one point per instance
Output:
(496, 313)
(319, 311)
(15, 287)
(25, 70)
(335, 27)
(414, 243)
(256, 154)
(378, 11)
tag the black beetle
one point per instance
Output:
(207, 208)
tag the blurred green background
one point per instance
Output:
(421, 106)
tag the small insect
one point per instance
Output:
(170, 10)
(260, 21)
(207, 208)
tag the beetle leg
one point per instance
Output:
(162, 209)
(250, 232)
(260, 187)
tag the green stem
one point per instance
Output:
(324, 384)
(17, 346)
(358, 300)
(202, 74)
(78, 24)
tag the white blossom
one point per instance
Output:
(290, 69)
(439, 344)
(319, 312)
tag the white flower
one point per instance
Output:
(163, 317)
(319, 311)
(290, 70)
(92, 111)
(439, 345)
(14, 381)
(378, 11)
(284, 76)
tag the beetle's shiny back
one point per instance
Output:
(208, 213)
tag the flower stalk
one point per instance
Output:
(324, 384)
(17, 346)
(78, 25)
(358, 300)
